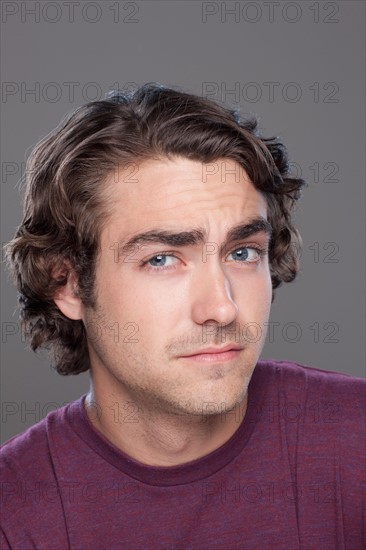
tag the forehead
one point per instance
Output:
(182, 192)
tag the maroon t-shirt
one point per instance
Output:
(291, 477)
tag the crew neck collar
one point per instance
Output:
(188, 472)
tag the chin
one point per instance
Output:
(214, 402)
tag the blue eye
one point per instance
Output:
(160, 261)
(157, 261)
(166, 261)
(245, 253)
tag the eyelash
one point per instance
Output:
(261, 251)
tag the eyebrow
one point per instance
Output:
(197, 235)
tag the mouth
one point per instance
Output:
(211, 355)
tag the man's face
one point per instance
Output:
(160, 301)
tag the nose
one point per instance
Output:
(212, 300)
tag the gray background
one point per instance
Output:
(299, 66)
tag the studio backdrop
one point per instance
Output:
(298, 66)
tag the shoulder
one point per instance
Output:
(28, 455)
(313, 381)
(25, 459)
(29, 487)
(20, 454)
(29, 449)
(327, 401)
(326, 407)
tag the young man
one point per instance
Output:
(157, 226)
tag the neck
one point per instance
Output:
(157, 437)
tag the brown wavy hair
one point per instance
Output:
(66, 200)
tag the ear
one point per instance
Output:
(67, 300)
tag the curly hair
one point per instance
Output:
(66, 197)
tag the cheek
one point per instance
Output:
(252, 280)
(264, 292)
(253, 296)
(154, 307)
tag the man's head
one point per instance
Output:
(153, 160)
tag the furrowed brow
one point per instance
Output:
(169, 238)
(245, 230)
(196, 236)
